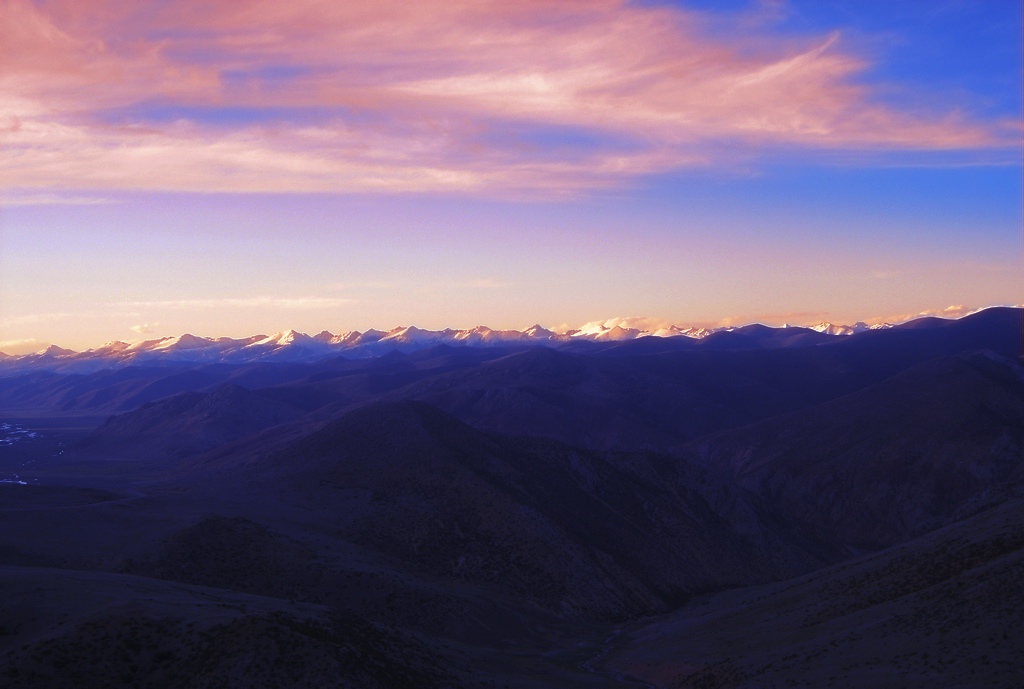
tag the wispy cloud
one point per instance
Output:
(10, 198)
(145, 328)
(259, 302)
(952, 311)
(471, 96)
(34, 318)
(16, 347)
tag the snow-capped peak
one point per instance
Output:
(186, 341)
(111, 347)
(55, 351)
(412, 334)
(834, 329)
(283, 339)
(538, 331)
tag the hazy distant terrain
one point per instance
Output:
(755, 508)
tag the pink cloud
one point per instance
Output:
(417, 96)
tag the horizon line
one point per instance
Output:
(655, 326)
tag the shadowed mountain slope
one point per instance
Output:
(106, 391)
(666, 399)
(938, 611)
(876, 467)
(94, 630)
(758, 336)
(580, 532)
(188, 423)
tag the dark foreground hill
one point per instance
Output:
(938, 611)
(93, 630)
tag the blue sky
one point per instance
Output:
(689, 162)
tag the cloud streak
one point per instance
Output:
(259, 302)
(16, 347)
(466, 96)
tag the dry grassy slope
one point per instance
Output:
(92, 630)
(241, 555)
(939, 611)
(213, 540)
(65, 628)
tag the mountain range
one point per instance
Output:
(757, 507)
(291, 345)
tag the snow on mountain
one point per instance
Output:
(369, 336)
(286, 339)
(350, 338)
(46, 358)
(184, 342)
(697, 333)
(477, 335)
(291, 345)
(111, 348)
(53, 352)
(414, 335)
(834, 329)
(484, 336)
(670, 331)
(148, 345)
(858, 327)
(630, 328)
(618, 333)
(597, 330)
(539, 332)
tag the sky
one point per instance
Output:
(234, 168)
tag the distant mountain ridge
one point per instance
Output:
(291, 345)
(294, 346)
